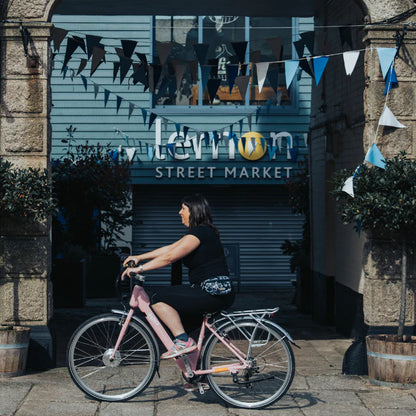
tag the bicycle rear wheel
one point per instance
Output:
(89, 364)
(272, 364)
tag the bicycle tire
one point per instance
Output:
(271, 356)
(130, 372)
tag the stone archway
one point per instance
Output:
(25, 135)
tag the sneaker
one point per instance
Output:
(179, 347)
(195, 386)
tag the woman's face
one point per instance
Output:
(184, 213)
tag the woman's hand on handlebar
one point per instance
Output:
(135, 260)
(126, 273)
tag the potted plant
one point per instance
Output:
(384, 205)
(92, 187)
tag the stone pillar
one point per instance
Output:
(382, 260)
(25, 288)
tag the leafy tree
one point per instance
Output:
(92, 190)
(25, 192)
(384, 204)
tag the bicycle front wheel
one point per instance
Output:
(271, 369)
(96, 374)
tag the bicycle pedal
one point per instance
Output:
(202, 387)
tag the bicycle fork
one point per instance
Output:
(122, 333)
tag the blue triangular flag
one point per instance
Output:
(106, 95)
(84, 81)
(375, 157)
(144, 114)
(206, 139)
(230, 134)
(119, 100)
(170, 147)
(114, 155)
(243, 142)
(293, 154)
(290, 70)
(131, 108)
(319, 65)
(258, 113)
(235, 140)
(241, 125)
(272, 151)
(263, 143)
(150, 152)
(178, 128)
(391, 81)
(386, 58)
(185, 131)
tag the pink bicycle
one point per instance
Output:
(247, 359)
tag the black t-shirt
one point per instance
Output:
(207, 260)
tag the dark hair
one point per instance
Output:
(200, 212)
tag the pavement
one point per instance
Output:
(319, 387)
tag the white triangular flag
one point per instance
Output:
(389, 119)
(262, 68)
(349, 186)
(250, 147)
(350, 60)
(130, 153)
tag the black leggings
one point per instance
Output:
(191, 302)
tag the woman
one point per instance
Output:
(202, 252)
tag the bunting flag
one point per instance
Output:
(250, 146)
(92, 42)
(125, 64)
(58, 35)
(240, 50)
(305, 64)
(144, 115)
(391, 81)
(71, 46)
(140, 75)
(114, 154)
(116, 67)
(106, 96)
(201, 50)
(232, 71)
(262, 68)
(81, 42)
(143, 58)
(386, 57)
(178, 128)
(128, 47)
(98, 55)
(243, 69)
(388, 119)
(319, 64)
(255, 56)
(249, 121)
(242, 84)
(152, 118)
(96, 86)
(150, 152)
(82, 65)
(290, 71)
(213, 63)
(241, 125)
(272, 149)
(185, 131)
(273, 76)
(300, 47)
(170, 149)
(213, 85)
(130, 153)
(293, 154)
(276, 46)
(84, 81)
(309, 39)
(131, 108)
(375, 157)
(350, 60)
(349, 186)
(163, 50)
(119, 100)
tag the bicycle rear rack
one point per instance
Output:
(252, 313)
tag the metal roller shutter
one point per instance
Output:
(253, 222)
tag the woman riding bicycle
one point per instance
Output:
(210, 289)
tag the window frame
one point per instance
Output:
(201, 109)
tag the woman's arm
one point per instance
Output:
(151, 254)
(174, 252)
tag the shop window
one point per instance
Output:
(219, 32)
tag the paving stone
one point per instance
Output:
(336, 382)
(133, 407)
(52, 408)
(387, 399)
(336, 410)
(11, 396)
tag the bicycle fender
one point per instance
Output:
(141, 322)
(284, 332)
